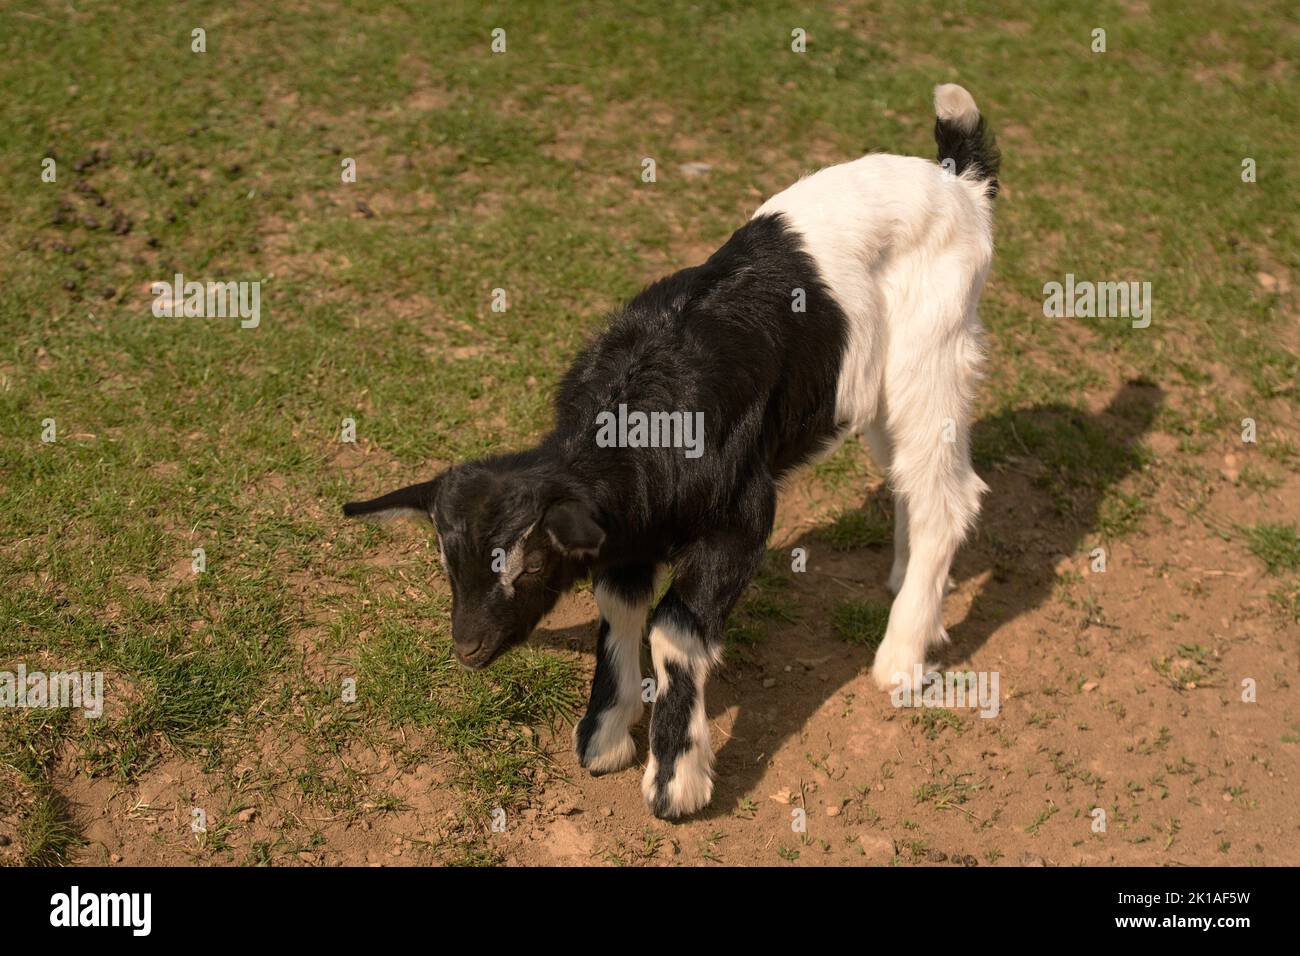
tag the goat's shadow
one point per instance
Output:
(1049, 468)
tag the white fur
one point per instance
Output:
(513, 565)
(904, 247)
(953, 104)
(611, 747)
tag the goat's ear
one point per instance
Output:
(573, 530)
(413, 501)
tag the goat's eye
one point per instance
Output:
(534, 564)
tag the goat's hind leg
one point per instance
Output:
(940, 493)
(883, 453)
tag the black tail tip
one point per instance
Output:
(353, 508)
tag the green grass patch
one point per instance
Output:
(1277, 545)
(860, 622)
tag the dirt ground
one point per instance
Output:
(1120, 690)
(1147, 713)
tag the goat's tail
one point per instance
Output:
(963, 137)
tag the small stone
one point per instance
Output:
(1090, 686)
(833, 810)
(115, 858)
(1032, 859)
(307, 856)
(109, 292)
(606, 811)
(877, 847)
(696, 170)
(937, 856)
(769, 683)
(247, 815)
(364, 209)
(4, 840)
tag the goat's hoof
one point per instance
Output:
(601, 750)
(897, 668)
(688, 790)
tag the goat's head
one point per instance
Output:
(511, 543)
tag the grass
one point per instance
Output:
(1277, 545)
(521, 172)
(860, 622)
(858, 528)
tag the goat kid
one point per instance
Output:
(846, 304)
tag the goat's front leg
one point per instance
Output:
(686, 640)
(602, 738)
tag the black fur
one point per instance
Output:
(970, 149)
(720, 342)
(721, 339)
(670, 728)
(604, 694)
(417, 498)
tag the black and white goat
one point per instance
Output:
(846, 304)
